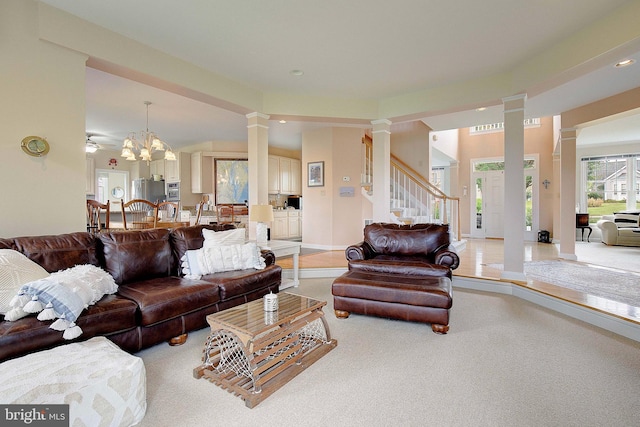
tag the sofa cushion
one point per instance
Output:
(237, 283)
(627, 219)
(401, 239)
(111, 315)
(54, 253)
(403, 266)
(130, 256)
(164, 298)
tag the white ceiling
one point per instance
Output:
(371, 49)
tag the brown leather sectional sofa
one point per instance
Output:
(153, 303)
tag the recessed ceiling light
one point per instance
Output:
(283, 121)
(481, 108)
(296, 73)
(625, 63)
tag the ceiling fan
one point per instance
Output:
(91, 146)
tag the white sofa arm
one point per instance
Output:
(609, 231)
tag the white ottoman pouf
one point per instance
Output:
(102, 384)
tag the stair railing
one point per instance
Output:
(413, 198)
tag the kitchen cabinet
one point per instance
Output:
(287, 224)
(157, 167)
(201, 173)
(172, 168)
(284, 176)
(91, 176)
(179, 170)
(296, 177)
(294, 225)
(274, 175)
(280, 225)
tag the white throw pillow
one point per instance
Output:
(223, 238)
(190, 264)
(228, 258)
(16, 270)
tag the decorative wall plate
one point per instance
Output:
(35, 146)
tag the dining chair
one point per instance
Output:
(94, 222)
(199, 209)
(225, 214)
(168, 211)
(141, 214)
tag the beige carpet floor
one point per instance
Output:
(505, 362)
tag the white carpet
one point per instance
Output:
(504, 362)
(618, 257)
(592, 279)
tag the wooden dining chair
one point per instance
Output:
(199, 209)
(94, 221)
(139, 213)
(168, 211)
(225, 214)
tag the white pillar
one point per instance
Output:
(257, 154)
(568, 194)
(631, 183)
(381, 170)
(514, 209)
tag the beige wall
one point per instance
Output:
(410, 143)
(42, 88)
(331, 221)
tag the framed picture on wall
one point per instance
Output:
(315, 174)
(232, 181)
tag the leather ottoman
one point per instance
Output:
(404, 297)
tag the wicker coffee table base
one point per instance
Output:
(256, 370)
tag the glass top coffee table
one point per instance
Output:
(252, 353)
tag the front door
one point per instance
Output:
(488, 181)
(488, 221)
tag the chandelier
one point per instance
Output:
(145, 143)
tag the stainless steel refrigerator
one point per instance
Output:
(148, 189)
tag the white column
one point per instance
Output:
(568, 193)
(631, 183)
(514, 209)
(453, 191)
(557, 215)
(257, 154)
(381, 170)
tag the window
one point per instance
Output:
(605, 183)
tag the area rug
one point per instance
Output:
(599, 281)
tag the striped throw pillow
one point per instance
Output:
(626, 219)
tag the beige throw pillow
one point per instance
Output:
(16, 270)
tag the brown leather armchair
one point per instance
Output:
(419, 249)
(400, 272)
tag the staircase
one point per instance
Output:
(414, 200)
